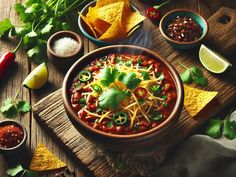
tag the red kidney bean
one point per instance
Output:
(82, 114)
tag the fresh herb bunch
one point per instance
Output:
(217, 127)
(40, 19)
(193, 75)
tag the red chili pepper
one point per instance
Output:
(7, 60)
(153, 13)
(140, 92)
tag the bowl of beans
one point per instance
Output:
(122, 97)
(183, 28)
(13, 137)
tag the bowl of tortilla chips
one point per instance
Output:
(107, 22)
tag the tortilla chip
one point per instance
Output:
(132, 19)
(44, 160)
(115, 33)
(110, 12)
(89, 25)
(195, 99)
(100, 25)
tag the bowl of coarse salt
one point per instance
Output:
(64, 48)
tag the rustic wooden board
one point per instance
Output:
(50, 112)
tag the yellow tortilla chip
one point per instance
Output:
(195, 99)
(89, 26)
(99, 25)
(110, 12)
(44, 160)
(115, 33)
(132, 19)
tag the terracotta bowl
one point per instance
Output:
(20, 147)
(64, 61)
(121, 142)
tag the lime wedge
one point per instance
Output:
(37, 78)
(213, 61)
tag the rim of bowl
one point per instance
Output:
(7, 122)
(64, 33)
(162, 30)
(90, 36)
(173, 72)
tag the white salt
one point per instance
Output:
(65, 46)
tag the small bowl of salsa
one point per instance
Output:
(13, 137)
(183, 28)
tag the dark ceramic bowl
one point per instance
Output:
(16, 149)
(112, 141)
(98, 42)
(64, 61)
(165, 21)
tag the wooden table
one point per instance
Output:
(10, 85)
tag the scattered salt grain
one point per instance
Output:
(65, 46)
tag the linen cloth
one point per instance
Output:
(201, 156)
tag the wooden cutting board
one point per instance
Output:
(222, 36)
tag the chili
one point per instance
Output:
(85, 76)
(120, 118)
(8, 59)
(140, 92)
(10, 136)
(153, 13)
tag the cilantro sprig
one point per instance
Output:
(112, 97)
(18, 170)
(216, 128)
(10, 108)
(193, 75)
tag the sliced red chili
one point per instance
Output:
(85, 76)
(140, 92)
(120, 118)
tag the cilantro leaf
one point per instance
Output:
(201, 81)
(8, 109)
(111, 99)
(214, 128)
(196, 71)
(130, 80)
(229, 129)
(186, 77)
(15, 170)
(33, 51)
(23, 106)
(5, 26)
(108, 75)
(145, 75)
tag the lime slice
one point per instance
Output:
(213, 61)
(37, 78)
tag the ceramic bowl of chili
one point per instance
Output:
(117, 136)
(183, 28)
(64, 48)
(88, 34)
(13, 137)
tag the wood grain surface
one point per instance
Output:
(50, 111)
(11, 84)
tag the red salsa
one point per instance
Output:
(123, 94)
(10, 135)
(184, 29)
